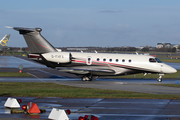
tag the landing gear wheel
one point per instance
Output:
(85, 78)
(160, 77)
(159, 80)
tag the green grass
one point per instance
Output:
(56, 90)
(13, 74)
(171, 60)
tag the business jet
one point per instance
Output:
(89, 66)
(3, 42)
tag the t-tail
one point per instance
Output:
(37, 44)
(4, 40)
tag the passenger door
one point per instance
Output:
(89, 60)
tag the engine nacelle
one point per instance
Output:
(58, 57)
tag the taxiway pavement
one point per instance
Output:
(104, 109)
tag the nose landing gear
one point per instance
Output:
(89, 77)
(160, 78)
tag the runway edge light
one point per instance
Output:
(81, 118)
(58, 114)
(88, 117)
(12, 103)
(68, 112)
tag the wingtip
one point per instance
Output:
(9, 27)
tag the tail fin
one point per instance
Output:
(35, 41)
(4, 40)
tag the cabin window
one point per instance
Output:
(123, 60)
(129, 60)
(97, 59)
(110, 60)
(117, 60)
(104, 59)
(89, 59)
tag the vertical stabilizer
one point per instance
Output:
(36, 42)
(4, 40)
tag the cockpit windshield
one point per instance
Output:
(159, 61)
(154, 60)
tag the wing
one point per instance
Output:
(85, 70)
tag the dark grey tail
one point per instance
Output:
(35, 41)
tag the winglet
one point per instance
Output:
(8, 27)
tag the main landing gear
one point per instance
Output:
(160, 78)
(88, 77)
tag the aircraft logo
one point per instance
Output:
(5, 39)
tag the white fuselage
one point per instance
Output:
(109, 64)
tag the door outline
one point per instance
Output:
(89, 60)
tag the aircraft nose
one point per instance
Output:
(169, 69)
(174, 70)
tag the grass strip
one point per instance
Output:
(171, 60)
(14, 74)
(55, 90)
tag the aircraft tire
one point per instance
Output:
(85, 78)
(159, 80)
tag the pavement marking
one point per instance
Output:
(36, 77)
(49, 73)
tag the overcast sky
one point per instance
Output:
(100, 23)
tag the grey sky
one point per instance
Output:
(79, 23)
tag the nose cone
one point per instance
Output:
(172, 70)
(168, 69)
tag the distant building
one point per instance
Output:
(168, 45)
(163, 45)
(159, 45)
(140, 47)
(176, 46)
(77, 49)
